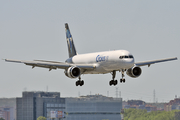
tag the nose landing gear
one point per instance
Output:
(122, 80)
(115, 82)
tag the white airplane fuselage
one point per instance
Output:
(104, 62)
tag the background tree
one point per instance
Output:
(138, 114)
(41, 118)
(2, 119)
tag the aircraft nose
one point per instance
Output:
(131, 62)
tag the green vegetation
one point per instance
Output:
(41, 118)
(137, 114)
(2, 119)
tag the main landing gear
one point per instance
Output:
(80, 82)
(114, 82)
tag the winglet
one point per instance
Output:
(10, 60)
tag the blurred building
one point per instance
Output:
(35, 104)
(172, 105)
(136, 102)
(139, 104)
(150, 108)
(142, 107)
(8, 105)
(93, 107)
(7, 113)
(50, 105)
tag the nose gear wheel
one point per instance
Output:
(115, 82)
(122, 80)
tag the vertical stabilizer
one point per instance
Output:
(70, 43)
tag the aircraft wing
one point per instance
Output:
(154, 61)
(52, 64)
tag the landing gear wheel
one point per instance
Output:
(115, 82)
(122, 80)
(81, 83)
(77, 83)
(110, 82)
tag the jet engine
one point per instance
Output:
(72, 72)
(134, 72)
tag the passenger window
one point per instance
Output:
(121, 57)
(126, 56)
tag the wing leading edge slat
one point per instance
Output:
(52, 64)
(154, 61)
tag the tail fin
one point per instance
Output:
(70, 43)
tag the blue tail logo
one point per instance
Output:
(71, 46)
(69, 38)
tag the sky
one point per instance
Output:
(31, 30)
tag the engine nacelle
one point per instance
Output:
(73, 72)
(134, 72)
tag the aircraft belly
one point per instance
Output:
(102, 71)
(103, 68)
(98, 70)
(110, 66)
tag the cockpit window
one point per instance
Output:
(125, 56)
(130, 56)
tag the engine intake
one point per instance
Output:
(73, 72)
(134, 72)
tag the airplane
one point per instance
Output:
(94, 63)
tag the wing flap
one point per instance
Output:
(52, 64)
(154, 61)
